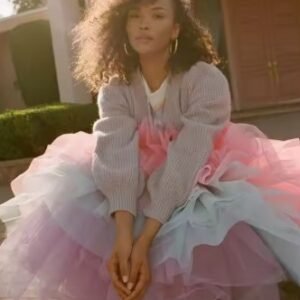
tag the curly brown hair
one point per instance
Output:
(100, 36)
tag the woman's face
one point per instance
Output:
(151, 27)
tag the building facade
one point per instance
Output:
(258, 40)
(262, 40)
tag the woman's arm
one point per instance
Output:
(115, 164)
(119, 262)
(151, 228)
(124, 224)
(207, 112)
(140, 272)
(115, 168)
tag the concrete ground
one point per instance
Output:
(5, 193)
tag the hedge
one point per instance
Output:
(26, 133)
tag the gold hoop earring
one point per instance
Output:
(126, 49)
(173, 50)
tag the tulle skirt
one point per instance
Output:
(235, 237)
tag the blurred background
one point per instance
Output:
(259, 42)
(35, 53)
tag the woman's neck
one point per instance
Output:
(155, 70)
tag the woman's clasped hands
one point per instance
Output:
(129, 265)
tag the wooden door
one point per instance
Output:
(284, 22)
(263, 38)
(249, 53)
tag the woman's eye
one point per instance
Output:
(158, 16)
(133, 15)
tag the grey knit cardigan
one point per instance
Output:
(198, 104)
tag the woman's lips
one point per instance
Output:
(144, 39)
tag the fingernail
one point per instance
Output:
(130, 285)
(125, 279)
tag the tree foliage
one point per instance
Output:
(25, 5)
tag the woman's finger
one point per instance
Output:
(114, 273)
(119, 292)
(139, 296)
(141, 284)
(142, 294)
(119, 286)
(124, 269)
(134, 272)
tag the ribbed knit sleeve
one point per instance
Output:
(115, 164)
(207, 112)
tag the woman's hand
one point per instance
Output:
(119, 262)
(140, 275)
(118, 265)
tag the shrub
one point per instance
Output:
(26, 133)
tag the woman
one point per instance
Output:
(167, 198)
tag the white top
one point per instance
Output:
(157, 98)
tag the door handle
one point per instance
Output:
(271, 70)
(276, 72)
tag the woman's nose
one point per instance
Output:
(144, 24)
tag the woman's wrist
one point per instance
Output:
(144, 240)
(150, 231)
(124, 223)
